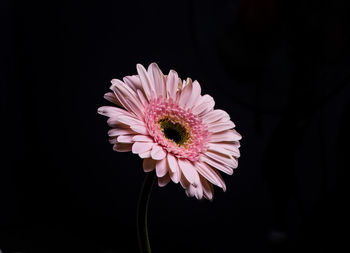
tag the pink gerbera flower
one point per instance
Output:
(175, 129)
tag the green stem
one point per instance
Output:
(142, 206)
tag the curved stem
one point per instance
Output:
(142, 206)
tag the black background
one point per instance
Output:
(281, 70)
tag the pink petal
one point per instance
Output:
(143, 138)
(125, 139)
(199, 194)
(113, 140)
(181, 85)
(161, 168)
(207, 189)
(236, 153)
(113, 122)
(156, 76)
(210, 174)
(147, 86)
(171, 84)
(142, 98)
(188, 171)
(225, 148)
(204, 104)
(148, 164)
(221, 121)
(121, 98)
(196, 92)
(183, 181)
(185, 94)
(199, 190)
(227, 160)
(195, 191)
(220, 149)
(219, 127)
(237, 135)
(163, 181)
(228, 145)
(133, 82)
(158, 152)
(112, 111)
(236, 143)
(141, 129)
(215, 174)
(229, 135)
(141, 147)
(110, 96)
(217, 165)
(174, 177)
(235, 162)
(120, 131)
(190, 191)
(127, 97)
(127, 120)
(136, 107)
(215, 116)
(172, 163)
(174, 168)
(146, 154)
(122, 147)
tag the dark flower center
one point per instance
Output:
(173, 131)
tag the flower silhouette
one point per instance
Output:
(173, 128)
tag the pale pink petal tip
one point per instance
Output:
(174, 128)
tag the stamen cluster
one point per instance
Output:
(196, 136)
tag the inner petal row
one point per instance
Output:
(179, 131)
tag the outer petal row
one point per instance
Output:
(193, 177)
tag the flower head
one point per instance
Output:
(175, 129)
